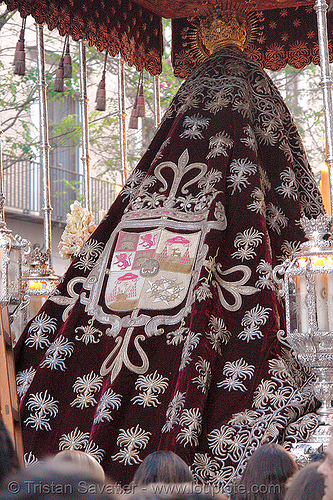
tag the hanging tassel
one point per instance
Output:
(141, 103)
(67, 61)
(59, 78)
(101, 96)
(101, 93)
(134, 121)
(19, 57)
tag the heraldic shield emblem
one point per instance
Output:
(150, 270)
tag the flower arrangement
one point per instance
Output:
(80, 225)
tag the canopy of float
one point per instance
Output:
(183, 8)
(134, 28)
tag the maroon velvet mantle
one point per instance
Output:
(152, 343)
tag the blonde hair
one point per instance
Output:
(82, 462)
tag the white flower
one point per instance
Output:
(80, 225)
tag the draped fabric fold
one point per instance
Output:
(163, 332)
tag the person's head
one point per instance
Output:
(306, 484)
(265, 474)
(41, 482)
(85, 463)
(162, 467)
(8, 458)
(326, 469)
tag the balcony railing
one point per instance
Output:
(23, 189)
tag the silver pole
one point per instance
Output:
(2, 195)
(326, 85)
(157, 101)
(44, 145)
(85, 158)
(122, 118)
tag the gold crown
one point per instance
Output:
(224, 28)
(226, 25)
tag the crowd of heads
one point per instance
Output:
(270, 474)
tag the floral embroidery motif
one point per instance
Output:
(240, 169)
(90, 334)
(109, 401)
(39, 329)
(235, 372)
(288, 187)
(88, 255)
(23, 380)
(30, 460)
(207, 469)
(173, 411)
(194, 126)
(92, 449)
(246, 242)
(43, 406)
(85, 387)
(265, 280)
(250, 140)
(57, 353)
(151, 385)
(131, 441)
(191, 342)
(132, 184)
(191, 421)
(204, 378)
(219, 144)
(218, 333)
(252, 321)
(275, 218)
(75, 440)
(258, 205)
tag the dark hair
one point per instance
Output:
(306, 484)
(162, 467)
(8, 458)
(41, 482)
(265, 474)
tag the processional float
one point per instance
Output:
(132, 31)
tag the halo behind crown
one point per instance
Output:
(227, 24)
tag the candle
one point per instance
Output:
(325, 189)
(330, 295)
(321, 297)
(302, 302)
